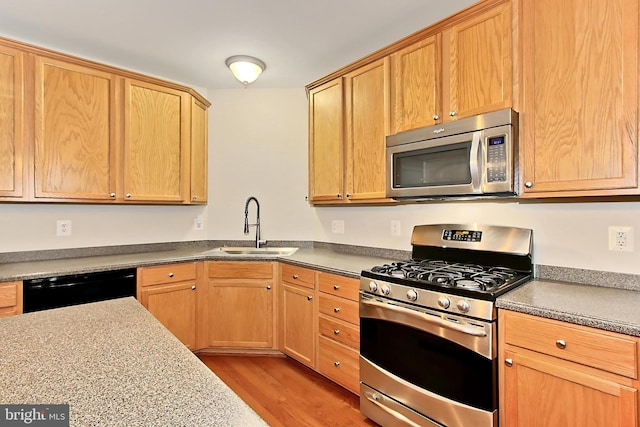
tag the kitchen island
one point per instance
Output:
(115, 365)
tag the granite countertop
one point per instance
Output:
(115, 365)
(600, 307)
(323, 259)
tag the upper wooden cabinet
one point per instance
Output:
(156, 142)
(11, 122)
(349, 120)
(579, 118)
(74, 130)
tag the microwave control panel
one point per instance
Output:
(496, 167)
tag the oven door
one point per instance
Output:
(416, 361)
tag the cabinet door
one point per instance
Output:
(479, 52)
(10, 298)
(75, 135)
(298, 336)
(415, 87)
(541, 392)
(326, 146)
(367, 125)
(579, 132)
(11, 131)
(174, 305)
(240, 314)
(199, 152)
(156, 154)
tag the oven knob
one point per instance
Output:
(463, 306)
(373, 286)
(412, 295)
(385, 290)
(444, 302)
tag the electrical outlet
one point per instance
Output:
(198, 223)
(621, 239)
(63, 227)
(337, 226)
(396, 228)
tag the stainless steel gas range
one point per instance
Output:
(428, 326)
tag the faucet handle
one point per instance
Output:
(262, 242)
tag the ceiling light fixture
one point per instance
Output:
(245, 68)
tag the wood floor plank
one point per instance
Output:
(286, 393)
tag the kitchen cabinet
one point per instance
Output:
(339, 330)
(75, 133)
(554, 373)
(239, 305)
(297, 316)
(170, 292)
(10, 298)
(12, 145)
(199, 151)
(156, 156)
(579, 118)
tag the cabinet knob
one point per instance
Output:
(336, 309)
(339, 196)
(112, 195)
(128, 195)
(336, 287)
(170, 274)
(528, 184)
(295, 276)
(309, 297)
(193, 287)
(268, 287)
(508, 362)
(194, 198)
(436, 117)
(348, 195)
(336, 363)
(336, 331)
(561, 344)
(452, 113)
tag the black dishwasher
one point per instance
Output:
(62, 291)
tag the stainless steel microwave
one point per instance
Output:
(468, 157)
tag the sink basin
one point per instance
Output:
(245, 250)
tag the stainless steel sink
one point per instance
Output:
(245, 250)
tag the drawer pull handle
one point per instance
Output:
(170, 274)
(268, 287)
(336, 309)
(193, 287)
(336, 287)
(508, 362)
(336, 363)
(336, 331)
(309, 298)
(561, 344)
(295, 276)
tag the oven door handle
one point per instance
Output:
(416, 315)
(395, 414)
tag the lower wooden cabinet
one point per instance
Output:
(170, 293)
(297, 313)
(239, 305)
(553, 373)
(10, 298)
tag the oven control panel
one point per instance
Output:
(462, 235)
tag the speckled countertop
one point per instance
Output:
(115, 365)
(600, 307)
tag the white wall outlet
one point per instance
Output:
(396, 228)
(198, 223)
(621, 239)
(63, 227)
(337, 226)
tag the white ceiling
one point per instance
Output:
(188, 40)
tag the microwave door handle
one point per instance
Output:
(474, 161)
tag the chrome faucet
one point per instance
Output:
(257, 224)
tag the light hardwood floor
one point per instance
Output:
(286, 393)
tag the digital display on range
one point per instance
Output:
(496, 140)
(462, 235)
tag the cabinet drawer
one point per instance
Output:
(339, 363)
(298, 275)
(239, 270)
(599, 349)
(8, 294)
(340, 331)
(345, 287)
(167, 273)
(341, 308)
